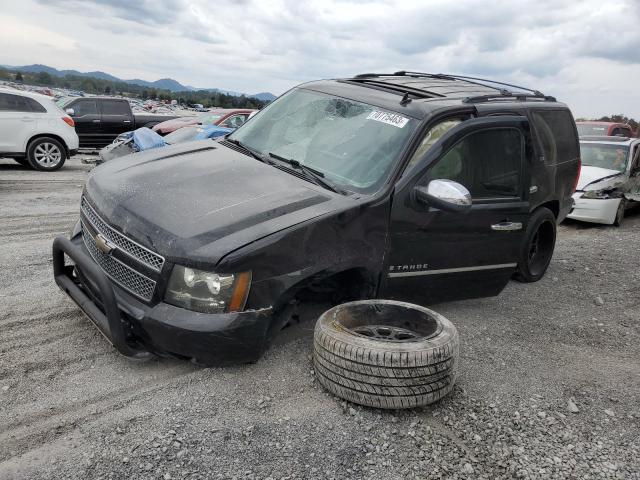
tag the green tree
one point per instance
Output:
(19, 77)
(43, 78)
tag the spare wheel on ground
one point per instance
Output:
(385, 354)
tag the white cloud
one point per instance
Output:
(586, 53)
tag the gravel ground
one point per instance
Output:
(549, 385)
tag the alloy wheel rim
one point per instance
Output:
(47, 154)
(387, 333)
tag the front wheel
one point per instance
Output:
(620, 212)
(537, 248)
(46, 154)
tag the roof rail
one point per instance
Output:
(475, 80)
(506, 95)
(376, 80)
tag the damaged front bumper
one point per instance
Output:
(135, 329)
(594, 210)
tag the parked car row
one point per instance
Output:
(38, 133)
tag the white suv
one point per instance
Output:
(34, 130)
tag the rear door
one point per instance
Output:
(437, 255)
(116, 118)
(17, 123)
(557, 162)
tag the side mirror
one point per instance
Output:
(444, 195)
(70, 111)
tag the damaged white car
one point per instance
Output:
(609, 181)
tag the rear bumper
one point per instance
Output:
(135, 329)
(594, 210)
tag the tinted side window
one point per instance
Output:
(115, 108)
(35, 106)
(85, 107)
(234, 121)
(432, 136)
(556, 135)
(488, 163)
(13, 103)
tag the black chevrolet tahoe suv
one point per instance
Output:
(407, 186)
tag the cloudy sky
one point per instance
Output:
(585, 52)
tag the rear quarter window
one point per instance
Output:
(35, 105)
(556, 135)
(13, 103)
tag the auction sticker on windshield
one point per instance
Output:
(388, 118)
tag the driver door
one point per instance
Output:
(439, 254)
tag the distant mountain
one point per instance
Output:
(163, 83)
(265, 96)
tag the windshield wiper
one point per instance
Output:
(311, 173)
(253, 153)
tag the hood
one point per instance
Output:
(591, 174)
(202, 200)
(175, 123)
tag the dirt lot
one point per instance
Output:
(70, 407)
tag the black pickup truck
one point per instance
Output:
(99, 120)
(408, 186)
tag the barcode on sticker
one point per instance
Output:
(388, 118)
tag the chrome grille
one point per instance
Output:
(123, 275)
(126, 245)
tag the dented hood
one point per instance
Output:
(202, 200)
(592, 174)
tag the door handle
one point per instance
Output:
(96, 121)
(26, 119)
(506, 226)
(127, 121)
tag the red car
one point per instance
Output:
(222, 117)
(604, 129)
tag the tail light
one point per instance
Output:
(69, 121)
(575, 183)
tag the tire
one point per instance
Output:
(46, 154)
(385, 354)
(537, 247)
(23, 161)
(620, 212)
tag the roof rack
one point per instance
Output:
(524, 93)
(398, 88)
(475, 80)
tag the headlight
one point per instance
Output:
(207, 292)
(596, 194)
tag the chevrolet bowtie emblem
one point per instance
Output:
(104, 245)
